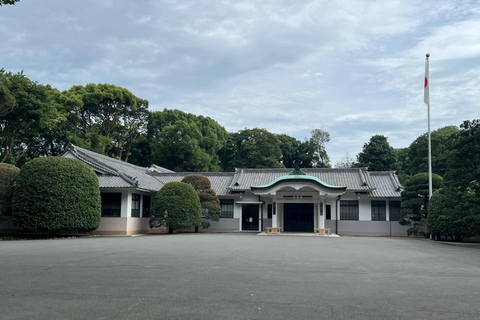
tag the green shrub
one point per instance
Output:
(8, 173)
(55, 193)
(176, 206)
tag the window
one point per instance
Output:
(349, 210)
(135, 205)
(269, 211)
(227, 208)
(111, 204)
(394, 209)
(146, 206)
(328, 214)
(379, 212)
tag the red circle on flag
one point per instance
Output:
(426, 82)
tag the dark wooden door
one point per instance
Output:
(250, 217)
(298, 217)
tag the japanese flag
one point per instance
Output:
(426, 87)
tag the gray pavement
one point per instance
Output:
(238, 276)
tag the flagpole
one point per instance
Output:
(427, 101)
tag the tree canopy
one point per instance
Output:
(10, 2)
(377, 155)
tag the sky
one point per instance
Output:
(353, 68)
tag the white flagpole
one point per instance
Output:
(427, 101)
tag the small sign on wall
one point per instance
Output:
(250, 219)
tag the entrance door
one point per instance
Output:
(250, 217)
(298, 217)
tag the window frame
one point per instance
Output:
(390, 206)
(146, 206)
(349, 210)
(113, 206)
(227, 208)
(379, 210)
(135, 210)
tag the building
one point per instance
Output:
(348, 201)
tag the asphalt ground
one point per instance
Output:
(238, 276)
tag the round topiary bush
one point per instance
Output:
(55, 193)
(8, 173)
(176, 206)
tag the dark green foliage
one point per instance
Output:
(296, 153)
(414, 202)
(252, 148)
(8, 174)
(107, 119)
(464, 161)
(443, 141)
(54, 193)
(11, 2)
(208, 198)
(183, 141)
(176, 206)
(28, 112)
(377, 155)
(455, 214)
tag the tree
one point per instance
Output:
(443, 140)
(377, 155)
(55, 193)
(8, 174)
(108, 119)
(208, 198)
(296, 153)
(253, 148)
(464, 161)
(455, 214)
(176, 206)
(10, 2)
(319, 140)
(414, 202)
(33, 110)
(185, 142)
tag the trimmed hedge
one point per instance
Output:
(8, 173)
(176, 206)
(55, 193)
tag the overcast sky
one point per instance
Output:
(354, 68)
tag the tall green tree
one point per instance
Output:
(296, 153)
(108, 119)
(414, 205)
(377, 155)
(33, 110)
(443, 141)
(185, 142)
(319, 140)
(253, 148)
(464, 161)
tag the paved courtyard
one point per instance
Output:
(238, 276)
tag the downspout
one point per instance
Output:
(336, 214)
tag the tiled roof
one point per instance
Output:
(353, 179)
(114, 173)
(219, 180)
(386, 185)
